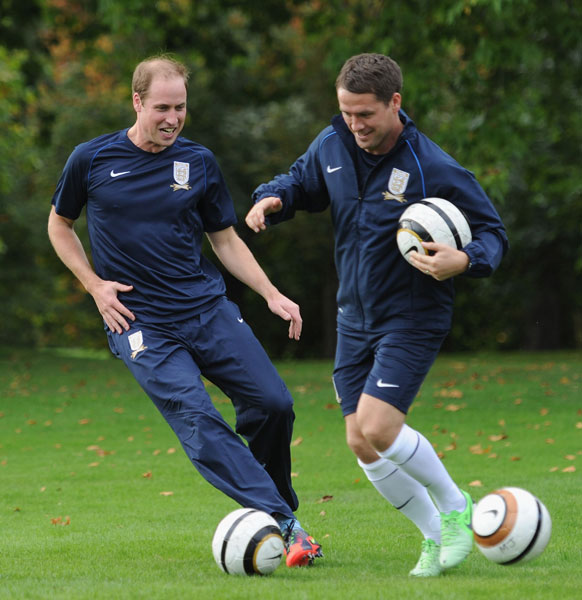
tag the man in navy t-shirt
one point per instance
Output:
(150, 196)
(367, 166)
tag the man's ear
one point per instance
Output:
(397, 101)
(137, 105)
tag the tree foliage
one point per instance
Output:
(497, 83)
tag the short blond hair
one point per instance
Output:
(162, 64)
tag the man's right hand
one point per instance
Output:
(114, 313)
(255, 218)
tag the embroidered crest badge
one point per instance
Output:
(136, 343)
(181, 176)
(397, 185)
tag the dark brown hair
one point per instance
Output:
(371, 74)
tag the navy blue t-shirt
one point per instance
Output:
(146, 215)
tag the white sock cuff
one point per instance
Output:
(378, 470)
(403, 447)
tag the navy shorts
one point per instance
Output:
(390, 366)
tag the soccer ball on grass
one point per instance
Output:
(511, 525)
(248, 542)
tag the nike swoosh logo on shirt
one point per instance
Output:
(114, 174)
(381, 384)
(330, 170)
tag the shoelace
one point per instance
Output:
(426, 553)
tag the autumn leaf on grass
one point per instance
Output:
(325, 498)
(449, 393)
(297, 441)
(476, 483)
(147, 475)
(478, 449)
(571, 469)
(331, 406)
(166, 493)
(60, 521)
(454, 407)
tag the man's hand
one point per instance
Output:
(112, 310)
(255, 218)
(289, 311)
(446, 262)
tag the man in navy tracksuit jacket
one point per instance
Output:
(367, 167)
(150, 197)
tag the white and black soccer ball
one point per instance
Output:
(511, 525)
(431, 220)
(248, 542)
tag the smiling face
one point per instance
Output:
(160, 113)
(374, 124)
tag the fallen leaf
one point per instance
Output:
(331, 406)
(570, 457)
(325, 498)
(497, 437)
(322, 513)
(297, 441)
(571, 469)
(476, 483)
(515, 458)
(147, 475)
(94, 464)
(166, 493)
(544, 412)
(579, 425)
(171, 450)
(118, 410)
(553, 469)
(550, 441)
(294, 474)
(84, 421)
(478, 449)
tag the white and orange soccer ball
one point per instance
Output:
(511, 525)
(248, 542)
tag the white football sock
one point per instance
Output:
(406, 495)
(414, 454)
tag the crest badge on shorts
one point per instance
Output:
(181, 176)
(136, 343)
(397, 185)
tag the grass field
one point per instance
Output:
(98, 501)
